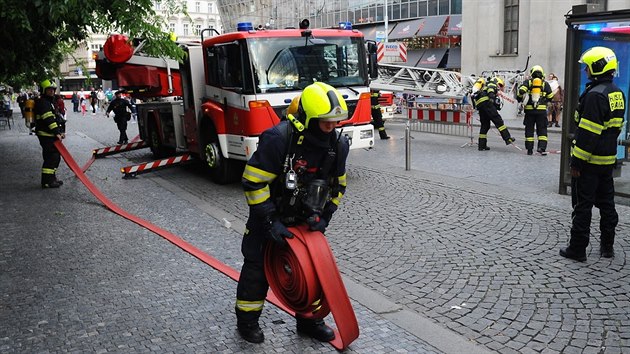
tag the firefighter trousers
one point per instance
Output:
(488, 113)
(537, 121)
(252, 284)
(122, 127)
(594, 187)
(51, 156)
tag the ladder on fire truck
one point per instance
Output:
(422, 81)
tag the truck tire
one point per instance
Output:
(155, 143)
(220, 169)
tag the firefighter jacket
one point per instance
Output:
(119, 105)
(599, 119)
(539, 95)
(488, 93)
(374, 96)
(47, 121)
(282, 152)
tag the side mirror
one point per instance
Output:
(372, 65)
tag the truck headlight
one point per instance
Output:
(366, 134)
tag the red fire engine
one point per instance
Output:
(232, 87)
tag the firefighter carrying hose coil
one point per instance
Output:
(488, 103)
(49, 126)
(297, 175)
(538, 93)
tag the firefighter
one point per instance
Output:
(119, 105)
(377, 115)
(599, 118)
(297, 175)
(49, 127)
(539, 94)
(487, 102)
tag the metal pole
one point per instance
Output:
(386, 22)
(407, 147)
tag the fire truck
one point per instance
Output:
(231, 87)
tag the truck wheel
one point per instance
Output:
(155, 143)
(221, 170)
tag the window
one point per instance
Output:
(198, 29)
(197, 6)
(210, 8)
(185, 29)
(510, 27)
(158, 5)
(456, 6)
(600, 5)
(444, 7)
(171, 27)
(433, 7)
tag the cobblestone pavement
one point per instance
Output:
(466, 239)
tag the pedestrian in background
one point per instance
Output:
(487, 102)
(49, 128)
(554, 111)
(83, 105)
(599, 119)
(316, 157)
(75, 102)
(121, 115)
(93, 101)
(102, 99)
(536, 94)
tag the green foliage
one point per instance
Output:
(37, 35)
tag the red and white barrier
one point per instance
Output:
(131, 171)
(456, 117)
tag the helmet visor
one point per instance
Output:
(337, 113)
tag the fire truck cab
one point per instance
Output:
(232, 87)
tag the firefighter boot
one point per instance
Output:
(316, 329)
(509, 141)
(50, 181)
(383, 134)
(567, 252)
(482, 145)
(607, 251)
(250, 331)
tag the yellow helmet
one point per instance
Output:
(499, 81)
(322, 101)
(294, 106)
(47, 84)
(599, 60)
(537, 71)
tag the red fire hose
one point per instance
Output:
(323, 280)
(305, 277)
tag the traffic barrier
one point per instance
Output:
(132, 171)
(305, 277)
(346, 335)
(111, 150)
(448, 122)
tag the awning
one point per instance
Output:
(413, 56)
(433, 58)
(454, 25)
(369, 32)
(431, 26)
(454, 60)
(405, 29)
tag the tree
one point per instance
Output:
(37, 35)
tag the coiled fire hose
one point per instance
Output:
(324, 281)
(304, 276)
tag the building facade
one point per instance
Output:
(201, 14)
(500, 34)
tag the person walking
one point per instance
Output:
(49, 128)
(93, 101)
(75, 102)
(486, 100)
(539, 94)
(377, 115)
(599, 118)
(304, 150)
(121, 116)
(554, 111)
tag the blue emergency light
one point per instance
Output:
(244, 26)
(345, 25)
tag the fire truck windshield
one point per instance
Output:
(282, 64)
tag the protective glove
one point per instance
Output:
(278, 232)
(317, 223)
